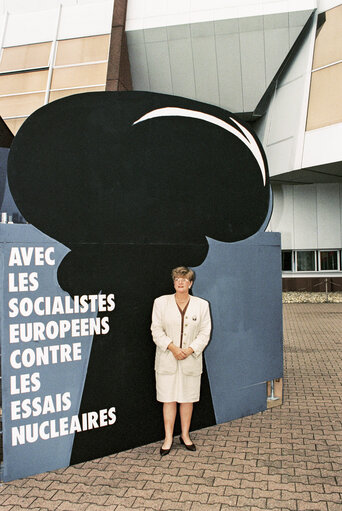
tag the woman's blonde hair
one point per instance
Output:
(183, 271)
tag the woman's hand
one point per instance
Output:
(179, 353)
(187, 351)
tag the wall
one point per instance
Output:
(143, 14)
(308, 216)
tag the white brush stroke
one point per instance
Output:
(246, 137)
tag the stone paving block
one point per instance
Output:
(333, 506)
(79, 478)
(113, 500)
(224, 464)
(167, 478)
(124, 508)
(155, 504)
(16, 501)
(66, 496)
(207, 481)
(63, 478)
(261, 485)
(13, 490)
(125, 484)
(244, 492)
(51, 505)
(197, 506)
(93, 499)
(217, 490)
(331, 497)
(247, 476)
(73, 506)
(3, 499)
(57, 485)
(280, 503)
(267, 494)
(246, 503)
(191, 488)
(169, 505)
(187, 496)
(312, 506)
(110, 507)
(323, 479)
(169, 471)
(35, 483)
(43, 494)
(144, 494)
(226, 500)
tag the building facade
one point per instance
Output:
(277, 64)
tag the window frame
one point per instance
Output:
(337, 251)
(296, 261)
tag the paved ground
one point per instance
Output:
(287, 458)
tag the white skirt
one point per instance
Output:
(178, 387)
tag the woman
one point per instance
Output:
(180, 328)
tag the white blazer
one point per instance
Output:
(166, 328)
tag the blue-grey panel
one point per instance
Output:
(226, 26)
(140, 75)
(55, 378)
(178, 32)
(280, 20)
(204, 54)
(153, 35)
(158, 63)
(204, 29)
(182, 68)
(135, 37)
(242, 282)
(299, 18)
(251, 23)
(294, 33)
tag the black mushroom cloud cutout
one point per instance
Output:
(133, 183)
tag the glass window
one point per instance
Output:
(325, 106)
(306, 260)
(78, 76)
(86, 49)
(23, 82)
(21, 106)
(328, 260)
(68, 92)
(328, 45)
(286, 260)
(25, 57)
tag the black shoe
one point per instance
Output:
(190, 447)
(164, 452)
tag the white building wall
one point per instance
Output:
(322, 145)
(78, 19)
(13, 6)
(143, 14)
(329, 229)
(308, 216)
